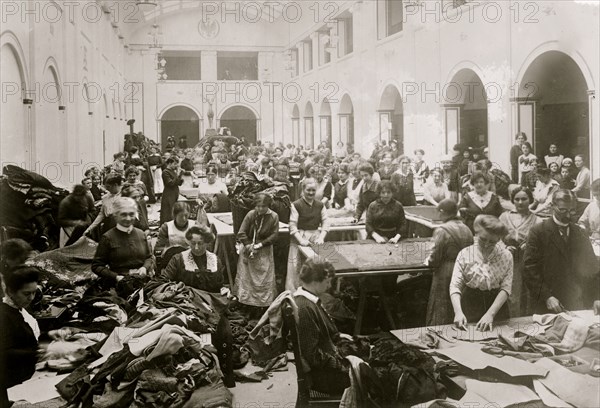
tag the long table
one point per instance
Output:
(449, 336)
(364, 260)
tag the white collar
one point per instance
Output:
(10, 303)
(123, 229)
(303, 292)
(557, 222)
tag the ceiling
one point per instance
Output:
(132, 16)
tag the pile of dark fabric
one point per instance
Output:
(163, 361)
(407, 375)
(29, 207)
(249, 184)
(175, 372)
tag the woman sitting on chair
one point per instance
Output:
(172, 233)
(123, 251)
(197, 267)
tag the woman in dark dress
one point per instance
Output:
(404, 183)
(387, 168)
(519, 223)
(197, 267)
(123, 250)
(20, 331)
(482, 277)
(172, 180)
(385, 216)
(449, 239)
(368, 191)
(479, 201)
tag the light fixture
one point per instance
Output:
(146, 5)
(155, 37)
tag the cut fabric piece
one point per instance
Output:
(501, 394)
(547, 397)
(576, 389)
(472, 357)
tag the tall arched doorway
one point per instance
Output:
(553, 105)
(309, 126)
(466, 110)
(241, 121)
(325, 123)
(180, 121)
(346, 117)
(391, 117)
(49, 136)
(296, 126)
(15, 144)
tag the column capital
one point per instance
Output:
(314, 35)
(210, 53)
(300, 45)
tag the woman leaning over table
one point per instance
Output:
(449, 239)
(385, 216)
(123, 250)
(518, 223)
(255, 280)
(482, 277)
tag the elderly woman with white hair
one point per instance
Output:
(123, 250)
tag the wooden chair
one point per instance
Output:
(306, 396)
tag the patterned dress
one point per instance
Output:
(479, 280)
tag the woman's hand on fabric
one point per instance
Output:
(553, 304)
(226, 292)
(142, 272)
(379, 239)
(512, 249)
(303, 242)
(120, 278)
(319, 241)
(257, 246)
(485, 323)
(346, 336)
(395, 239)
(460, 320)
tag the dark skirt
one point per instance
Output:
(475, 303)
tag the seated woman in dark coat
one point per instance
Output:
(197, 267)
(20, 331)
(385, 216)
(75, 214)
(318, 334)
(123, 250)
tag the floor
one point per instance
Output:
(278, 391)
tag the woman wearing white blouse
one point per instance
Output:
(583, 180)
(435, 190)
(482, 277)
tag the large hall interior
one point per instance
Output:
(294, 203)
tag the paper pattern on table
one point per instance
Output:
(471, 356)
(577, 389)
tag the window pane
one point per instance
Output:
(237, 66)
(394, 16)
(183, 68)
(349, 35)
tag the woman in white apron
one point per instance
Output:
(255, 280)
(307, 215)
